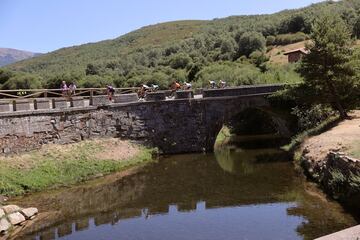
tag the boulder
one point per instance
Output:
(16, 218)
(4, 225)
(2, 198)
(29, 212)
(2, 213)
(11, 209)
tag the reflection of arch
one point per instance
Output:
(225, 161)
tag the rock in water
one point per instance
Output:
(16, 218)
(29, 212)
(11, 209)
(4, 225)
(3, 199)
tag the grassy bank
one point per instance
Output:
(300, 138)
(55, 166)
(354, 149)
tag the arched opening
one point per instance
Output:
(254, 128)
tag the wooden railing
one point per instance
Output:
(44, 93)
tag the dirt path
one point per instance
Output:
(344, 137)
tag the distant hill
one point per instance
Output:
(192, 51)
(9, 55)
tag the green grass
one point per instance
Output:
(298, 139)
(54, 169)
(354, 149)
(223, 136)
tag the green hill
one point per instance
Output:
(232, 49)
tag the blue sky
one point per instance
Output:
(46, 25)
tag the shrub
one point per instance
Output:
(284, 39)
(309, 117)
(270, 40)
(22, 81)
(179, 60)
(250, 42)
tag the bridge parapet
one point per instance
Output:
(243, 90)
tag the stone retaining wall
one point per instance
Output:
(338, 174)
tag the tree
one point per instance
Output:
(91, 70)
(250, 42)
(356, 30)
(328, 67)
(294, 24)
(22, 81)
(179, 60)
(259, 59)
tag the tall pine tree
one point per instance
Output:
(327, 68)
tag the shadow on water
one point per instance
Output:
(232, 194)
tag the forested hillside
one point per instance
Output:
(235, 49)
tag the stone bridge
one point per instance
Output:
(174, 126)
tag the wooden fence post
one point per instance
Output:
(91, 97)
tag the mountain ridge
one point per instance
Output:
(12, 55)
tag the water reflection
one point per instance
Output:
(227, 195)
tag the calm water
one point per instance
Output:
(232, 194)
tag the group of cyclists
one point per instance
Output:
(68, 91)
(175, 86)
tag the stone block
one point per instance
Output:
(126, 98)
(100, 100)
(155, 96)
(22, 105)
(41, 103)
(199, 91)
(168, 93)
(16, 218)
(29, 212)
(11, 209)
(4, 225)
(77, 102)
(60, 103)
(187, 94)
(5, 106)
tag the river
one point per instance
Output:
(231, 194)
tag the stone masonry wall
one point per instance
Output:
(338, 174)
(177, 126)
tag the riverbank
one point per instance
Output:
(55, 166)
(332, 160)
